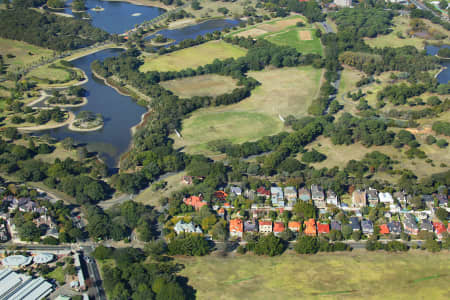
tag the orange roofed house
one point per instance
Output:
(310, 227)
(195, 201)
(236, 227)
(384, 229)
(294, 226)
(323, 228)
(221, 195)
(278, 228)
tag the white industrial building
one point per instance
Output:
(22, 287)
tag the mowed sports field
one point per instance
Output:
(287, 91)
(355, 275)
(192, 57)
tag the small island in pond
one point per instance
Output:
(87, 121)
(160, 40)
(73, 97)
(98, 8)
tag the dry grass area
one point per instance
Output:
(339, 155)
(204, 85)
(151, 197)
(24, 53)
(59, 152)
(354, 275)
(282, 24)
(192, 57)
(305, 35)
(401, 26)
(254, 32)
(287, 91)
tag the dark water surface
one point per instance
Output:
(117, 17)
(444, 76)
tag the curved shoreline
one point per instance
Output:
(83, 103)
(69, 121)
(105, 81)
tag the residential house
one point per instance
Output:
(426, 226)
(222, 212)
(278, 228)
(323, 228)
(220, 195)
(354, 222)
(290, 194)
(386, 198)
(367, 227)
(265, 226)
(250, 194)
(277, 196)
(236, 228)
(196, 202)
(443, 200)
(236, 191)
(294, 226)
(410, 224)
(187, 180)
(332, 198)
(318, 196)
(310, 227)
(263, 192)
(15, 203)
(335, 225)
(304, 195)
(372, 196)
(182, 226)
(3, 232)
(359, 198)
(401, 197)
(343, 3)
(250, 226)
(394, 208)
(439, 229)
(384, 229)
(395, 227)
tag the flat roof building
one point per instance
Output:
(20, 286)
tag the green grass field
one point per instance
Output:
(401, 25)
(204, 85)
(58, 274)
(356, 275)
(21, 51)
(192, 57)
(291, 38)
(282, 92)
(45, 72)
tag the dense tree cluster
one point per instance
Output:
(48, 30)
(189, 244)
(441, 127)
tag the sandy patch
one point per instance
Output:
(251, 32)
(181, 23)
(305, 35)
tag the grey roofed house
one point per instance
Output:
(290, 193)
(317, 192)
(427, 226)
(443, 199)
(335, 225)
(236, 190)
(410, 224)
(367, 226)
(182, 226)
(277, 196)
(395, 227)
(250, 226)
(303, 194)
(400, 196)
(354, 222)
(428, 200)
(372, 196)
(332, 198)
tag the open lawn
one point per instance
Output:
(46, 72)
(204, 85)
(149, 196)
(339, 155)
(192, 57)
(59, 152)
(355, 275)
(24, 53)
(235, 8)
(57, 274)
(287, 91)
(304, 40)
(401, 26)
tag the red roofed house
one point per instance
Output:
(439, 228)
(278, 228)
(236, 227)
(221, 195)
(262, 192)
(384, 229)
(294, 226)
(221, 212)
(323, 228)
(310, 227)
(195, 201)
(265, 226)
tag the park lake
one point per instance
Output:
(120, 112)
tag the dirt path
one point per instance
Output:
(43, 96)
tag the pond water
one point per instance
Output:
(120, 113)
(191, 32)
(117, 17)
(444, 76)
